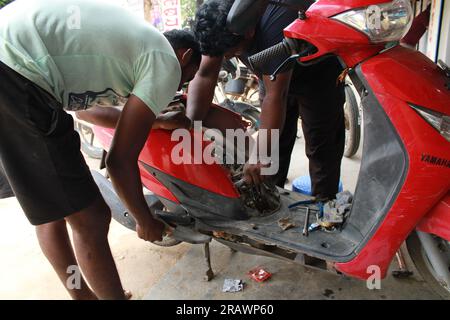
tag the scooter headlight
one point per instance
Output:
(437, 120)
(381, 23)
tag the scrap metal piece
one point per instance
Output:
(286, 223)
(331, 214)
(343, 198)
(232, 285)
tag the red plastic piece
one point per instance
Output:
(259, 274)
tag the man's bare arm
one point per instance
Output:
(201, 89)
(101, 116)
(131, 134)
(109, 116)
(272, 117)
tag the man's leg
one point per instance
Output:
(287, 140)
(322, 113)
(90, 236)
(55, 244)
(324, 146)
(40, 152)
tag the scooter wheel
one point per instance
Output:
(420, 260)
(352, 124)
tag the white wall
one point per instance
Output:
(444, 45)
(433, 30)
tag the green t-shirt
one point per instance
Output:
(83, 51)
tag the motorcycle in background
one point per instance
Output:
(238, 90)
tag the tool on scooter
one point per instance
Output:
(303, 202)
(313, 227)
(305, 228)
(320, 214)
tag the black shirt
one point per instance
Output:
(269, 32)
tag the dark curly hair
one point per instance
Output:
(184, 39)
(210, 27)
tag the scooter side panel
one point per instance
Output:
(151, 183)
(199, 202)
(157, 153)
(409, 76)
(425, 182)
(105, 136)
(160, 150)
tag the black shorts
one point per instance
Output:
(5, 188)
(40, 152)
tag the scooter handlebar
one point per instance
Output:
(257, 61)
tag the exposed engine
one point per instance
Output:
(261, 201)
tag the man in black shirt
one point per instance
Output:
(309, 92)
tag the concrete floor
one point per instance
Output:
(289, 281)
(153, 272)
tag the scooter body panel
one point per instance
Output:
(157, 153)
(396, 77)
(438, 219)
(332, 37)
(160, 152)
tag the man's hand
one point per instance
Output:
(150, 229)
(272, 117)
(172, 120)
(252, 173)
(173, 117)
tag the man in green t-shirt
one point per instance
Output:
(58, 55)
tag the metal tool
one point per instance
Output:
(303, 202)
(313, 227)
(305, 228)
(403, 271)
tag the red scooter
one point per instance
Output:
(403, 187)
